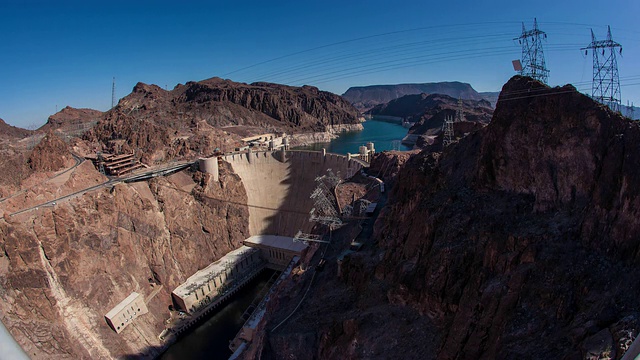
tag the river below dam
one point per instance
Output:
(385, 135)
(210, 339)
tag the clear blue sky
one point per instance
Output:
(59, 53)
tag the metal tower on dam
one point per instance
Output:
(533, 63)
(605, 87)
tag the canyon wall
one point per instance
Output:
(521, 240)
(62, 268)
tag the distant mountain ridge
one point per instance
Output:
(366, 97)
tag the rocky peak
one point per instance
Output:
(51, 154)
(70, 116)
(12, 131)
(143, 88)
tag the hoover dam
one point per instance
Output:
(279, 185)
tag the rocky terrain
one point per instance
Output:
(198, 117)
(518, 242)
(422, 107)
(64, 265)
(71, 119)
(366, 97)
(428, 113)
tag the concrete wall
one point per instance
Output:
(201, 287)
(279, 190)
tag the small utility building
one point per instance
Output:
(124, 313)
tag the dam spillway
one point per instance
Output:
(279, 184)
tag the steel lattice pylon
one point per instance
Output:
(459, 112)
(605, 87)
(447, 129)
(533, 63)
(113, 93)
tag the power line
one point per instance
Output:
(375, 36)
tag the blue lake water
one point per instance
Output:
(381, 133)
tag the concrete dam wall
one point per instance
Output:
(279, 185)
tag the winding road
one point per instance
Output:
(151, 173)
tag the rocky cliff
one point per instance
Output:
(522, 240)
(519, 241)
(366, 97)
(62, 268)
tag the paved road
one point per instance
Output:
(78, 160)
(109, 183)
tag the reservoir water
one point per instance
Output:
(210, 339)
(385, 136)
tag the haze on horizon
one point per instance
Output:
(67, 53)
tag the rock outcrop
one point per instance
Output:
(525, 232)
(51, 154)
(7, 131)
(70, 119)
(420, 107)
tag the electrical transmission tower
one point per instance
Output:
(605, 87)
(447, 130)
(459, 113)
(325, 210)
(533, 64)
(113, 93)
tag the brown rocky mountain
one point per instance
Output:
(8, 131)
(70, 118)
(65, 264)
(518, 242)
(366, 97)
(223, 103)
(197, 117)
(423, 107)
